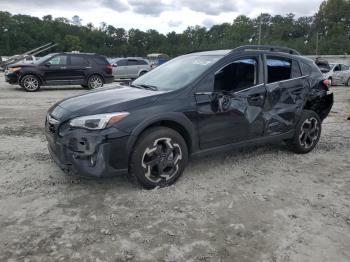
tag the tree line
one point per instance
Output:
(326, 32)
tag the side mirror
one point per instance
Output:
(47, 64)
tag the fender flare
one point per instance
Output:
(177, 118)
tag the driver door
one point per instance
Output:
(230, 103)
(56, 69)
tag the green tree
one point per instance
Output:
(70, 43)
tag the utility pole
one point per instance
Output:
(316, 43)
(260, 29)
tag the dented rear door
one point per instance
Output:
(286, 94)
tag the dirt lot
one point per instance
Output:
(257, 204)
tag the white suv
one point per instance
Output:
(339, 74)
(129, 68)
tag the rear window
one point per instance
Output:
(100, 60)
(78, 60)
(305, 69)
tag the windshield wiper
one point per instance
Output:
(149, 87)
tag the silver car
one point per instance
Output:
(130, 68)
(339, 74)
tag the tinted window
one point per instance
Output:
(100, 60)
(142, 62)
(122, 62)
(58, 60)
(239, 75)
(132, 62)
(278, 69)
(305, 69)
(78, 60)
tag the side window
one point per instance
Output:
(122, 62)
(58, 60)
(305, 69)
(344, 67)
(296, 72)
(132, 62)
(142, 62)
(278, 69)
(240, 74)
(78, 60)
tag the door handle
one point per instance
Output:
(63, 67)
(256, 97)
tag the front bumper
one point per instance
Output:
(11, 78)
(86, 153)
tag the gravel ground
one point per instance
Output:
(256, 204)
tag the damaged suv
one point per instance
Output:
(193, 105)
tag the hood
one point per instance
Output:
(22, 65)
(105, 100)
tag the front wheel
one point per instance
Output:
(307, 133)
(159, 158)
(348, 82)
(30, 83)
(95, 81)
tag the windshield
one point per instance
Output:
(177, 73)
(43, 59)
(331, 66)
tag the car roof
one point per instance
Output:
(213, 52)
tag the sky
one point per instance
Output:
(162, 15)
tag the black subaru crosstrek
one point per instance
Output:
(88, 70)
(194, 104)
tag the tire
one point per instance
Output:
(142, 73)
(95, 81)
(159, 157)
(30, 83)
(307, 133)
(348, 82)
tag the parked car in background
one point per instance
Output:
(195, 104)
(88, 70)
(130, 67)
(157, 59)
(339, 74)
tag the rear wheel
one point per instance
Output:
(159, 158)
(95, 81)
(348, 83)
(307, 133)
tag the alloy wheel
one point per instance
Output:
(31, 83)
(96, 82)
(161, 160)
(309, 132)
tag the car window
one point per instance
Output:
(240, 74)
(132, 62)
(172, 76)
(58, 60)
(100, 60)
(278, 69)
(344, 67)
(305, 68)
(78, 60)
(336, 68)
(122, 62)
(142, 62)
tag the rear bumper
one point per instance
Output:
(89, 155)
(109, 79)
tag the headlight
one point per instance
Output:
(14, 69)
(97, 122)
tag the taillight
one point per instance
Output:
(326, 83)
(109, 68)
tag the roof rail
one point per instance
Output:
(267, 48)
